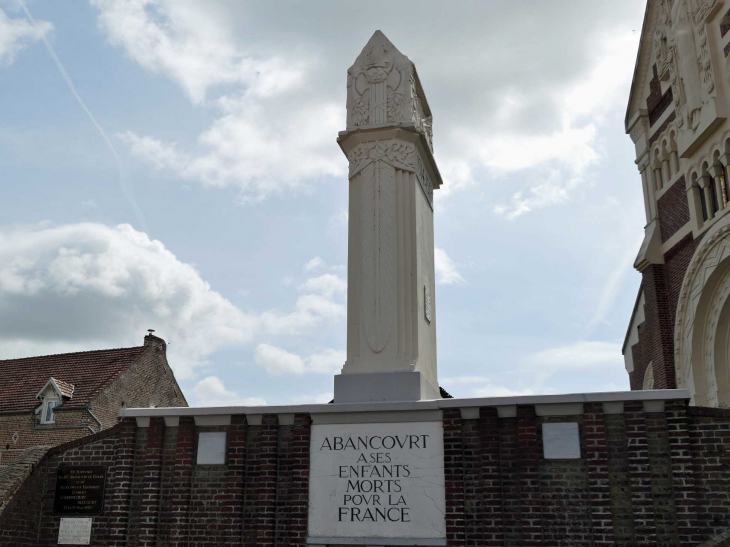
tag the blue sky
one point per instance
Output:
(173, 165)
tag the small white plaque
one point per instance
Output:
(561, 441)
(383, 480)
(212, 448)
(74, 531)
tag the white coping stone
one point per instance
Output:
(74, 531)
(411, 506)
(662, 395)
(254, 419)
(613, 407)
(470, 413)
(653, 406)
(172, 421)
(559, 409)
(375, 417)
(507, 411)
(212, 448)
(394, 542)
(561, 441)
(143, 421)
(286, 419)
(212, 419)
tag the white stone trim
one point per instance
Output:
(375, 542)
(653, 406)
(143, 421)
(410, 406)
(470, 413)
(376, 417)
(559, 409)
(613, 407)
(507, 411)
(172, 421)
(254, 419)
(206, 419)
(286, 419)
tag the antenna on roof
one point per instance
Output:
(150, 330)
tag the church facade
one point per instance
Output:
(679, 331)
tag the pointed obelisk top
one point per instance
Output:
(383, 90)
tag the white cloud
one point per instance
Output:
(89, 285)
(481, 386)
(446, 272)
(330, 361)
(193, 45)
(328, 285)
(251, 149)
(315, 398)
(314, 264)
(278, 361)
(210, 391)
(15, 34)
(583, 355)
(279, 108)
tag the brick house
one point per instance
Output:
(677, 118)
(54, 399)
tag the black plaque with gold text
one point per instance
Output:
(80, 490)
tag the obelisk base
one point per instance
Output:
(383, 386)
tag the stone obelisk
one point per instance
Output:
(391, 305)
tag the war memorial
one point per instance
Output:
(392, 461)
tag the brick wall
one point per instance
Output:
(672, 209)
(644, 478)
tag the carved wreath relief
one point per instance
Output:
(682, 54)
(381, 89)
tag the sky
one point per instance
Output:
(172, 165)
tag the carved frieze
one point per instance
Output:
(382, 89)
(396, 153)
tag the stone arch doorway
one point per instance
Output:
(702, 327)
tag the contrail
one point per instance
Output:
(126, 188)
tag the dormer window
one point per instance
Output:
(48, 416)
(53, 394)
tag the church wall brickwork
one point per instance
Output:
(673, 209)
(662, 284)
(644, 478)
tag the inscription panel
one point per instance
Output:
(381, 480)
(80, 490)
(74, 531)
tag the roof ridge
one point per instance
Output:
(69, 353)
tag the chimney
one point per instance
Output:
(152, 340)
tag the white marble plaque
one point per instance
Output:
(561, 441)
(74, 531)
(382, 480)
(212, 448)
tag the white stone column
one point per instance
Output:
(391, 311)
(666, 175)
(657, 178)
(674, 162)
(704, 182)
(716, 172)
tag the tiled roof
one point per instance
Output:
(85, 372)
(67, 390)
